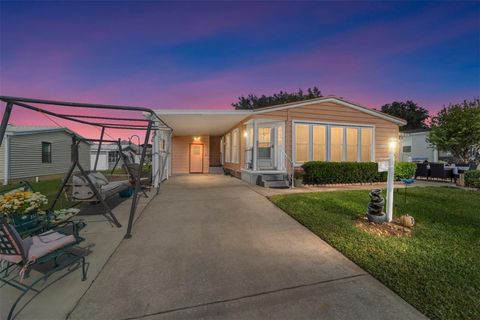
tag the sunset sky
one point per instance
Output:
(206, 54)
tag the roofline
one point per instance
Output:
(336, 100)
(63, 129)
(202, 112)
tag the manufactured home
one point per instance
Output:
(33, 151)
(273, 140)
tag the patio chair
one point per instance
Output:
(437, 171)
(36, 250)
(422, 170)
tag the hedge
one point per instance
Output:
(320, 172)
(472, 178)
(405, 170)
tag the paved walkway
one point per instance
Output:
(210, 247)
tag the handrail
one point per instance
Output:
(292, 164)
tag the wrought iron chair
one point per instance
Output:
(23, 254)
(422, 170)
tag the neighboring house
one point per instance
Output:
(415, 147)
(249, 143)
(109, 154)
(32, 151)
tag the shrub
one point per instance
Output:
(320, 172)
(405, 170)
(472, 178)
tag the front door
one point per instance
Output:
(266, 148)
(196, 158)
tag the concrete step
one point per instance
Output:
(273, 177)
(276, 184)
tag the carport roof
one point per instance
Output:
(201, 122)
(217, 122)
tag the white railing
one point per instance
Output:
(290, 168)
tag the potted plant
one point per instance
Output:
(375, 207)
(21, 208)
(298, 177)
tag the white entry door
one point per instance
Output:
(266, 148)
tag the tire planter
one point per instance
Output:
(377, 218)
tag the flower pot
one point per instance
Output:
(25, 222)
(377, 218)
(298, 182)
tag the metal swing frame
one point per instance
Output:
(150, 122)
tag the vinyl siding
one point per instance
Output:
(2, 159)
(215, 151)
(26, 154)
(180, 153)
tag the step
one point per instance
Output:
(276, 184)
(273, 177)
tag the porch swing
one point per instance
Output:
(94, 186)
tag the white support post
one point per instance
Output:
(390, 179)
(156, 158)
(254, 144)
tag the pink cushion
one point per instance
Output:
(45, 243)
(13, 258)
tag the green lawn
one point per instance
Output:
(437, 270)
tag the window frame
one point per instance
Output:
(228, 148)
(328, 126)
(48, 157)
(235, 146)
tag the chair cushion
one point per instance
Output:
(45, 243)
(98, 178)
(115, 186)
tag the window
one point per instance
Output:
(235, 146)
(407, 149)
(323, 142)
(302, 138)
(46, 152)
(352, 144)
(367, 138)
(336, 144)
(319, 143)
(112, 157)
(227, 148)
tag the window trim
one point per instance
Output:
(236, 146)
(328, 126)
(228, 148)
(49, 160)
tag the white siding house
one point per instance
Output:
(415, 147)
(109, 154)
(30, 151)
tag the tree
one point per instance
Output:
(415, 115)
(252, 102)
(456, 128)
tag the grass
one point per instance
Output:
(48, 188)
(437, 270)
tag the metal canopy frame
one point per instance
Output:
(149, 123)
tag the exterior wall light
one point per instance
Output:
(196, 138)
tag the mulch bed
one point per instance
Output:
(393, 228)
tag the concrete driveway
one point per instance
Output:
(210, 247)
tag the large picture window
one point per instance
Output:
(324, 142)
(228, 150)
(46, 152)
(235, 146)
